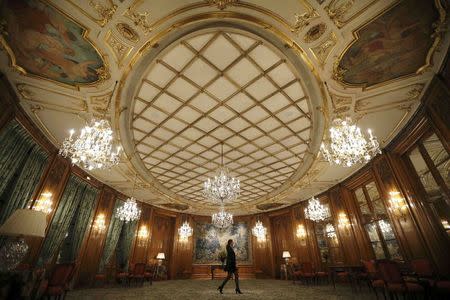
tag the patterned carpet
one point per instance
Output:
(257, 289)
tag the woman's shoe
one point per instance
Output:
(220, 289)
(238, 291)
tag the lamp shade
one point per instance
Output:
(160, 256)
(286, 254)
(26, 222)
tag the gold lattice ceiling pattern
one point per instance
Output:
(221, 87)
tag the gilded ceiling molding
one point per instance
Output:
(105, 12)
(127, 32)
(337, 11)
(99, 103)
(322, 51)
(338, 71)
(341, 104)
(222, 4)
(79, 105)
(159, 189)
(315, 32)
(120, 50)
(303, 20)
(411, 96)
(140, 19)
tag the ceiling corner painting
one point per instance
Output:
(393, 45)
(46, 43)
(210, 241)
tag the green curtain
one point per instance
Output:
(80, 222)
(68, 204)
(114, 230)
(15, 144)
(126, 239)
(25, 183)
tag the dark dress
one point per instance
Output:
(230, 266)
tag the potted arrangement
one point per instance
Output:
(222, 257)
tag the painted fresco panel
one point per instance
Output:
(393, 45)
(48, 44)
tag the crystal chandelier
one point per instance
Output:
(329, 230)
(222, 219)
(222, 188)
(347, 145)
(185, 231)
(316, 211)
(93, 148)
(129, 211)
(259, 231)
(385, 226)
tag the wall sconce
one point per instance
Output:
(142, 235)
(445, 224)
(397, 204)
(330, 232)
(301, 231)
(44, 203)
(343, 221)
(260, 232)
(99, 224)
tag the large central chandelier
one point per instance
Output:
(259, 231)
(222, 219)
(93, 148)
(347, 145)
(316, 211)
(129, 211)
(222, 188)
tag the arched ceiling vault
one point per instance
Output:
(262, 77)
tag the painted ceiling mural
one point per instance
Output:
(395, 44)
(48, 44)
(262, 77)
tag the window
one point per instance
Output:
(432, 163)
(375, 220)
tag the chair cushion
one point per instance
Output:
(122, 275)
(396, 287)
(307, 274)
(342, 273)
(443, 285)
(54, 290)
(99, 276)
(414, 287)
(322, 274)
(377, 283)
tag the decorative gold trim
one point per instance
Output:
(411, 95)
(13, 63)
(34, 109)
(338, 71)
(222, 4)
(337, 12)
(322, 51)
(127, 32)
(28, 95)
(315, 32)
(105, 12)
(120, 50)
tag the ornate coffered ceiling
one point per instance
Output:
(263, 77)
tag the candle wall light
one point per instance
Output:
(397, 205)
(99, 225)
(343, 221)
(142, 235)
(44, 203)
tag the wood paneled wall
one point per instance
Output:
(419, 236)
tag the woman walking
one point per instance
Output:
(231, 268)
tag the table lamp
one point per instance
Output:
(286, 256)
(160, 257)
(23, 222)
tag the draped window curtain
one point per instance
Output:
(124, 247)
(22, 163)
(73, 195)
(114, 230)
(80, 222)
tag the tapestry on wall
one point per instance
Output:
(210, 241)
